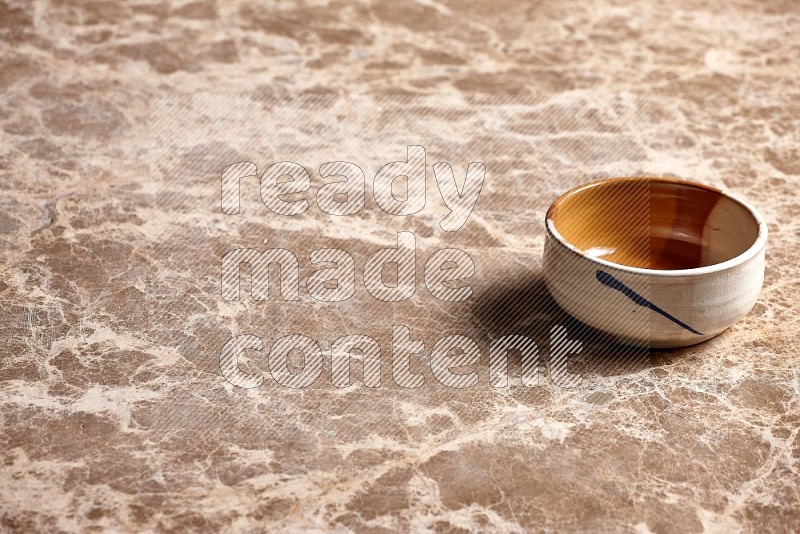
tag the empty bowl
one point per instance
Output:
(654, 261)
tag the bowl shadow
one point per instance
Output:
(524, 307)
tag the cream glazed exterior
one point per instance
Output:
(659, 307)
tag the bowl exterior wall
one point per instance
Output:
(661, 311)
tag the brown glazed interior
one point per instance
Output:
(654, 223)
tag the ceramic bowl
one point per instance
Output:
(654, 261)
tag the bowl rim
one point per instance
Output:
(758, 245)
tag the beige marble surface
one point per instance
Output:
(116, 119)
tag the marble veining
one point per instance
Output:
(116, 121)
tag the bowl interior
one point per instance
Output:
(654, 223)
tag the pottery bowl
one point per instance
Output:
(654, 261)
